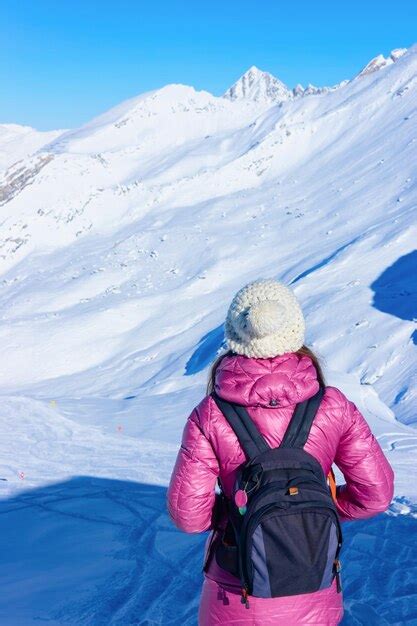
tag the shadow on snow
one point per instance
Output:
(94, 551)
(98, 551)
(206, 351)
(395, 290)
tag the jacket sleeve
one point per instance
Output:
(191, 495)
(369, 477)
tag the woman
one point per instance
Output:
(269, 370)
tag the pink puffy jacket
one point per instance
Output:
(270, 388)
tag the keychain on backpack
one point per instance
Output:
(241, 500)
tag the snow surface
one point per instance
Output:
(18, 142)
(122, 244)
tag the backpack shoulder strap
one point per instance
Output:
(299, 427)
(243, 426)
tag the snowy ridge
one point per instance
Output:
(380, 61)
(265, 89)
(122, 243)
(18, 142)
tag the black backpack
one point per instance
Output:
(283, 535)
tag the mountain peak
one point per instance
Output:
(258, 86)
(254, 70)
(378, 62)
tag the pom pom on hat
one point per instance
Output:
(264, 320)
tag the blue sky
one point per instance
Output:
(65, 61)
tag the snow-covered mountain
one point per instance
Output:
(379, 62)
(122, 243)
(18, 142)
(259, 86)
(265, 89)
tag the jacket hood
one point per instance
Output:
(275, 382)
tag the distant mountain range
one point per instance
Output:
(265, 88)
(177, 194)
(254, 85)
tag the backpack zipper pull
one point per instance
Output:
(337, 568)
(245, 599)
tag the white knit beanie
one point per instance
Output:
(264, 320)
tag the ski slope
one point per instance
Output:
(122, 243)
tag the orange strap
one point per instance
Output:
(331, 479)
